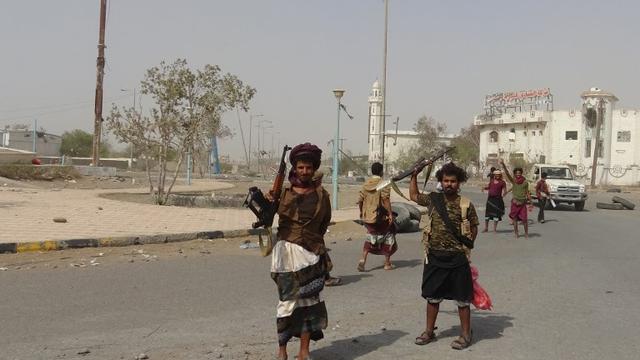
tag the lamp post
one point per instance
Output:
(131, 144)
(251, 116)
(334, 178)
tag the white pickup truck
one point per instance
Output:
(562, 184)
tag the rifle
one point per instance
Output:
(417, 166)
(264, 209)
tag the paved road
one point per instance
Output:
(569, 292)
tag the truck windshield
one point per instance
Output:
(558, 173)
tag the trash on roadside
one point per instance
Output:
(4, 268)
(142, 357)
(249, 245)
(59, 220)
(84, 352)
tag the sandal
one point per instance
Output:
(389, 267)
(461, 342)
(425, 338)
(332, 281)
(361, 265)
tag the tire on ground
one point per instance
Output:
(414, 226)
(614, 206)
(414, 212)
(403, 218)
(626, 203)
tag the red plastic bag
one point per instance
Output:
(481, 299)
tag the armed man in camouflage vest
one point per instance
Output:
(447, 274)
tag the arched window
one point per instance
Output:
(493, 137)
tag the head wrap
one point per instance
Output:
(306, 150)
(497, 172)
(313, 154)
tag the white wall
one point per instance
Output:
(557, 149)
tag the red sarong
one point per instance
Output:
(386, 244)
(518, 211)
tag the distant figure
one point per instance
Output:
(520, 201)
(497, 189)
(376, 215)
(542, 193)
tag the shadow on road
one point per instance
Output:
(355, 347)
(350, 279)
(401, 264)
(485, 327)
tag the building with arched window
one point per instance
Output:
(537, 133)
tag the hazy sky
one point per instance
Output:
(444, 56)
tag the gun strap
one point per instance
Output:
(439, 204)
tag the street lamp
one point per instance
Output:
(131, 144)
(334, 178)
(251, 116)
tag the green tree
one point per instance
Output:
(79, 143)
(186, 114)
(429, 130)
(467, 145)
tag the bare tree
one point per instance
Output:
(188, 108)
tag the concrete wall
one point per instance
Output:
(46, 144)
(12, 156)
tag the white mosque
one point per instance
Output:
(395, 141)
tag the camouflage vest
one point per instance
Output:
(426, 224)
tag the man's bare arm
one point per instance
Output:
(413, 187)
(506, 171)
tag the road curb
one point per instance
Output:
(50, 245)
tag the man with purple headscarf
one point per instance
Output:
(300, 263)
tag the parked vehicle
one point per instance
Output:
(562, 184)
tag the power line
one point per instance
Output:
(45, 107)
(61, 109)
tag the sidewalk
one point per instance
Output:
(26, 216)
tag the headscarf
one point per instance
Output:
(308, 151)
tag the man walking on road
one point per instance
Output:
(447, 274)
(300, 262)
(542, 193)
(520, 201)
(375, 213)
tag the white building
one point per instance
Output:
(395, 142)
(540, 135)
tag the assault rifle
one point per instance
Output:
(264, 209)
(417, 166)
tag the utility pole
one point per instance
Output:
(35, 135)
(97, 123)
(596, 143)
(384, 82)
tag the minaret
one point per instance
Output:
(375, 122)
